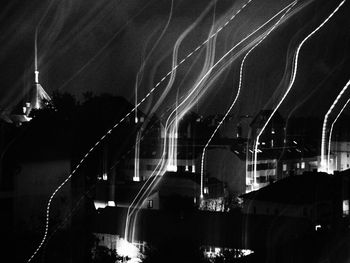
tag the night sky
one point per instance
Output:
(100, 46)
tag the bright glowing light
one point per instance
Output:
(36, 76)
(294, 71)
(171, 168)
(127, 249)
(100, 204)
(111, 203)
(104, 177)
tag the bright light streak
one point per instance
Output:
(120, 121)
(141, 70)
(335, 120)
(324, 164)
(236, 98)
(294, 71)
(204, 75)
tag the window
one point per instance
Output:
(284, 167)
(206, 190)
(150, 204)
(298, 165)
(345, 208)
(104, 176)
(303, 165)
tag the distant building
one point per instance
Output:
(319, 197)
(340, 156)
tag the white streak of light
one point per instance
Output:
(335, 120)
(115, 126)
(237, 95)
(294, 72)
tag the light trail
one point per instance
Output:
(309, 95)
(119, 122)
(137, 84)
(237, 95)
(139, 199)
(141, 70)
(294, 71)
(324, 128)
(161, 164)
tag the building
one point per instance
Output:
(318, 197)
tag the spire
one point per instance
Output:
(39, 93)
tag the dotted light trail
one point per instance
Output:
(294, 72)
(324, 127)
(162, 162)
(237, 95)
(115, 126)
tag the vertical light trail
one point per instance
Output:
(161, 163)
(139, 75)
(325, 164)
(294, 71)
(117, 123)
(237, 95)
(140, 72)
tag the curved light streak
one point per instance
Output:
(294, 71)
(335, 120)
(140, 196)
(237, 95)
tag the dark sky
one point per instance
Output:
(99, 46)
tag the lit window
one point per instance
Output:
(345, 208)
(104, 176)
(303, 165)
(193, 169)
(298, 165)
(272, 131)
(150, 204)
(206, 190)
(284, 167)
(271, 143)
